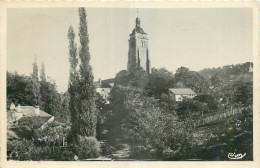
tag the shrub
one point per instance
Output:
(107, 149)
(18, 149)
(50, 153)
(150, 130)
(27, 150)
(88, 147)
(140, 152)
(168, 153)
(52, 134)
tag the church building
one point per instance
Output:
(138, 56)
(138, 53)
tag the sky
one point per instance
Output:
(194, 38)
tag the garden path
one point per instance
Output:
(122, 153)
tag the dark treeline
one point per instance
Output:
(227, 72)
(20, 92)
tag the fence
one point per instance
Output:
(214, 118)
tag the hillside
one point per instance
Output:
(228, 72)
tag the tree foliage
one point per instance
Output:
(43, 76)
(136, 78)
(87, 109)
(18, 89)
(227, 72)
(81, 84)
(143, 122)
(159, 81)
(50, 98)
(73, 82)
(192, 80)
(35, 84)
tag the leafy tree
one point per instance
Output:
(242, 93)
(119, 112)
(146, 126)
(50, 98)
(102, 112)
(159, 81)
(122, 78)
(64, 114)
(139, 78)
(190, 109)
(18, 89)
(168, 104)
(211, 102)
(87, 109)
(136, 78)
(227, 72)
(192, 80)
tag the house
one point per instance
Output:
(24, 117)
(180, 93)
(103, 87)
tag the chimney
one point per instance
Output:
(99, 81)
(37, 110)
(12, 106)
(18, 108)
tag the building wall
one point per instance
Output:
(180, 97)
(15, 115)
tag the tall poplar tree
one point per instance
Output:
(43, 76)
(35, 84)
(43, 90)
(73, 83)
(87, 108)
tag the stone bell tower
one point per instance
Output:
(138, 54)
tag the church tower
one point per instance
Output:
(138, 54)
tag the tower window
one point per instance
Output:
(143, 43)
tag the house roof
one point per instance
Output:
(111, 80)
(11, 135)
(29, 111)
(137, 30)
(35, 121)
(108, 83)
(22, 128)
(182, 91)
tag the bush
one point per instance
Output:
(150, 130)
(50, 153)
(140, 152)
(27, 150)
(88, 147)
(18, 149)
(107, 149)
(52, 134)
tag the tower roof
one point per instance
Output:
(137, 28)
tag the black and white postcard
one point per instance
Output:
(129, 84)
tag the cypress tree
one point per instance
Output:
(87, 109)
